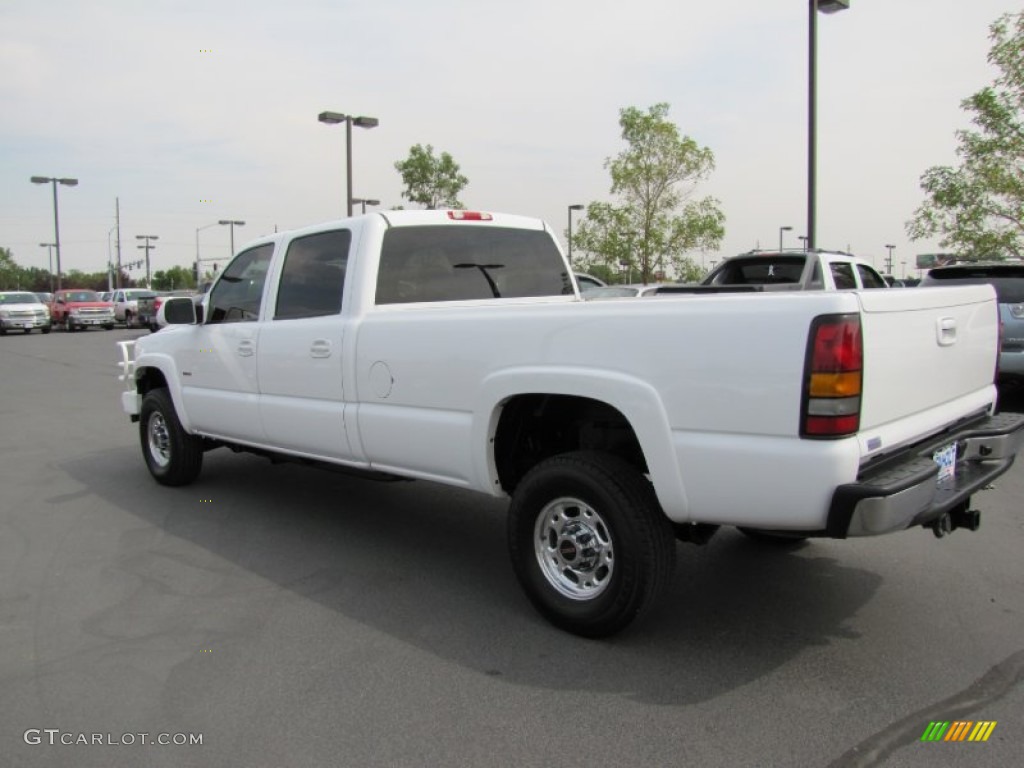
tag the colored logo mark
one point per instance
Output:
(959, 730)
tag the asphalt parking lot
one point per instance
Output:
(291, 617)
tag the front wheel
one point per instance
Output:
(68, 325)
(589, 542)
(173, 456)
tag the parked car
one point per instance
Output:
(76, 308)
(446, 346)
(22, 311)
(1008, 281)
(126, 304)
(814, 270)
(45, 298)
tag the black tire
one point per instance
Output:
(68, 325)
(3, 331)
(45, 329)
(589, 542)
(173, 456)
(778, 540)
(109, 327)
(127, 319)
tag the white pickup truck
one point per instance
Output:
(453, 346)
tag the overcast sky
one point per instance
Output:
(191, 112)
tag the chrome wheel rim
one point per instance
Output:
(574, 549)
(159, 440)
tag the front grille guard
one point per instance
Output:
(127, 364)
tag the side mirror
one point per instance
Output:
(177, 310)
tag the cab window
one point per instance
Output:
(869, 278)
(313, 276)
(842, 275)
(238, 294)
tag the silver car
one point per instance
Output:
(22, 311)
(1008, 280)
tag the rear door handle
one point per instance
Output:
(246, 348)
(320, 348)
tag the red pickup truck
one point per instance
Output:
(74, 308)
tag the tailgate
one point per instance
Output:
(929, 359)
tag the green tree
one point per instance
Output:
(977, 208)
(656, 220)
(175, 278)
(10, 272)
(431, 181)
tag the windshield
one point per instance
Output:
(81, 296)
(18, 298)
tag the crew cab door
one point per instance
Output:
(299, 361)
(219, 382)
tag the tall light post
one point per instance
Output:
(49, 253)
(149, 247)
(888, 260)
(199, 261)
(781, 230)
(110, 260)
(232, 224)
(803, 241)
(56, 218)
(365, 202)
(824, 6)
(576, 207)
(333, 118)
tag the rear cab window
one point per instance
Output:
(760, 270)
(461, 263)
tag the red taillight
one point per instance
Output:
(469, 216)
(832, 377)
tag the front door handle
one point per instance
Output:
(320, 348)
(246, 348)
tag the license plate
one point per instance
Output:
(945, 457)
(27, 325)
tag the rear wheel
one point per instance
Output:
(46, 329)
(173, 456)
(589, 542)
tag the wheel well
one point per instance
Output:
(535, 427)
(149, 378)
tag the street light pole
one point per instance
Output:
(888, 261)
(781, 230)
(365, 202)
(575, 207)
(199, 260)
(49, 254)
(333, 118)
(148, 246)
(824, 6)
(56, 217)
(232, 224)
(803, 240)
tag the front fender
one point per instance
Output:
(165, 364)
(635, 399)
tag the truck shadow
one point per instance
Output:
(427, 565)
